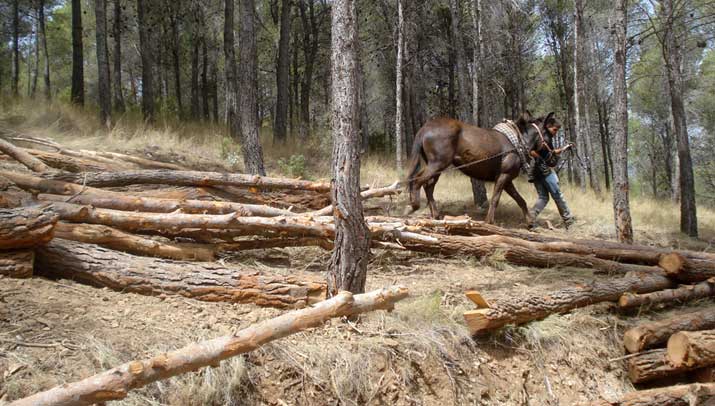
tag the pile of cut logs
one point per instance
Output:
(138, 225)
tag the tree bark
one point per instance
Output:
(195, 112)
(45, 52)
(16, 48)
(701, 270)
(77, 91)
(576, 89)
(70, 164)
(692, 348)
(17, 264)
(682, 395)
(525, 309)
(104, 91)
(280, 124)
(206, 281)
(22, 156)
(27, 227)
(348, 265)
(145, 50)
(174, 18)
(117, 382)
(117, 32)
(673, 55)
(133, 244)
(233, 119)
(652, 365)
(399, 130)
(673, 297)
(653, 334)
(189, 178)
(248, 83)
(621, 206)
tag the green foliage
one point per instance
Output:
(293, 166)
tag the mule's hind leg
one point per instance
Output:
(429, 191)
(511, 190)
(501, 181)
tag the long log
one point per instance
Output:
(189, 178)
(371, 193)
(115, 383)
(17, 264)
(652, 365)
(655, 333)
(23, 157)
(26, 227)
(692, 348)
(681, 294)
(681, 395)
(210, 282)
(524, 309)
(112, 238)
(703, 270)
(71, 164)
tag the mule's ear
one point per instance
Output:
(549, 117)
(527, 115)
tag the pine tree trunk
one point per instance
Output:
(195, 75)
(104, 92)
(16, 47)
(673, 55)
(145, 49)
(117, 28)
(399, 131)
(45, 52)
(205, 91)
(231, 70)
(348, 265)
(77, 91)
(36, 62)
(280, 122)
(583, 170)
(248, 82)
(621, 206)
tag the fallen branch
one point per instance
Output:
(189, 178)
(206, 281)
(115, 384)
(23, 157)
(26, 227)
(675, 296)
(525, 309)
(17, 264)
(655, 333)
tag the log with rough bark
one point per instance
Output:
(111, 238)
(17, 263)
(59, 191)
(681, 395)
(655, 333)
(26, 227)
(371, 193)
(524, 309)
(115, 383)
(652, 365)
(701, 271)
(675, 296)
(190, 178)
(23, 157)
(704, 375)
(207, 281)
(692, 348)
(71, 164)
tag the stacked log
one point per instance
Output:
(681, 395)
(678, 295)
(22, 230)
(692, 348)
(653, 334)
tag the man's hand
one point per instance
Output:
(564, 148)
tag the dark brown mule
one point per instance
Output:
(443, 142)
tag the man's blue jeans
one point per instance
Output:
(546, 186)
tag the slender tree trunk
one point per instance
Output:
(104, 93)
(214, 85)
(205, 91)
(461, 62)
(145, 49)
(45, 52)
(195, 114)
(77, 91)
(399, 131)
(576, 89)
(176, 55)
(117, 28)
(280, 122)
(36, 62)
(231, 70)
(16, 47)
(348, 265)
(310, 50)
(621, 207)
(673, 55)
(248, 82)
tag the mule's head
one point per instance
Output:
(534, 128)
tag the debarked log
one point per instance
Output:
(656, 333)
(189, 178)
(26, 227)
(97, 266)
(524, 309)
(115, 383)
(17, 263)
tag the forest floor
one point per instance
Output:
(53, 332)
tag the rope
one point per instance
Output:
(452, 168)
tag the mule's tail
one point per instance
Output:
(414, 171)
